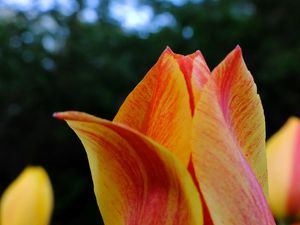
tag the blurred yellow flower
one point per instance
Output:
(283, 155)
(28, 200)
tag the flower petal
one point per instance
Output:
(162, 104)
(136, 180)
(228, 129)
(28, 200)
(196, 73)
(283, 154)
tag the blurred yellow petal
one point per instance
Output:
(283, 154)
(28, 200)
(136, 180)
(228, 131)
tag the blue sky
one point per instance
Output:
(130, 13)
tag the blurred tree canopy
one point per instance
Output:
(83, 58)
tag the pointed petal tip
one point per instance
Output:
(56, 115)
(238, 51)
(193, 55)
(238, 47)
(235, 57)
(168, 50)
(61, 115)
(198, 53)
(69, 115)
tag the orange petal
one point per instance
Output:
(162, 104)
(283, 154)
(136, 180)
(196, 73)
(240, 110)
(28, 200)
(228, 129)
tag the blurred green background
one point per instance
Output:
(87, 55)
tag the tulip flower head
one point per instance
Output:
(283, 155)
(28, 200)
(185, 148)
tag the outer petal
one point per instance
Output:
(28, 200)
(136, 180)
(283, 154)
(229, 122)
(162, 104)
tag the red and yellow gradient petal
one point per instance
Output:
(283, 154)
(228, 131)
(28, 200)
(136, 180)
(196, 73)
(162, 104)
(242, 111)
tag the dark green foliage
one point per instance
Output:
(97, 64)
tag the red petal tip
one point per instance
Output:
(58, 115)
(69, 115)
(168, 50)
(238, 49)
(199, 54)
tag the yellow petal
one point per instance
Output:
(283, 154)
(28, 200)
(136, 180)
(228, 129)
(159, 107)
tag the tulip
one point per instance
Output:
(28, 200)
(185, 148)
(283, 156)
